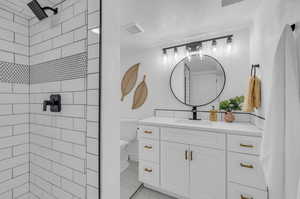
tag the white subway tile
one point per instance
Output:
(92, 130)
(93, 51)
(93, 81)
(92, 113)
(93, 97)
(74, 48)
(73, 188)
(61, 194)
(80, 33)
(73, 85)
(62, 171)
(63, 40)
(92, 146)
(6, 56)
(73, 136)
(75, 22)
(93, 20)
(92, 193)
(93, 5)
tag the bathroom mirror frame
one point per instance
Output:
(211, 101)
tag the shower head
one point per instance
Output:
(38, 11)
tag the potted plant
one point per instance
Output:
(232, 104)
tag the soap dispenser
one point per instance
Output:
(213, 114)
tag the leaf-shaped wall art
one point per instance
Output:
(129, 80)
(140, 94)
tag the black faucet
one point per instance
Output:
(54, 103)
(194, 111)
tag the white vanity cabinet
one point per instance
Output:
(175, 168)
(201, 162)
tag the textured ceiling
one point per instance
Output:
(20, 6)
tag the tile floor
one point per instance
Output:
(130, 183)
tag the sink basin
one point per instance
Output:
(194, 122)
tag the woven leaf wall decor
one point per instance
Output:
(140, 94)
(129, 80)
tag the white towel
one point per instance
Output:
(280, 153)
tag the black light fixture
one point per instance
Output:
(229, 40)
(196, 46)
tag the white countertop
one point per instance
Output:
(236, 128)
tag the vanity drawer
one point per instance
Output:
(149, 173)
(149, 132)
(236, 191)
(198, 138)
(246, 170)
(244, 144)
(149, 150)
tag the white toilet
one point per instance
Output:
(128, 129)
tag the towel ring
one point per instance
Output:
(253, 70)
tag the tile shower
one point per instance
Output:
(47, 155)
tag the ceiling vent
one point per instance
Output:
(229, 2)
(133, 28)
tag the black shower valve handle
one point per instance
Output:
(45, 104)
(54, 103)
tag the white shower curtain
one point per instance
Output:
(280, 153)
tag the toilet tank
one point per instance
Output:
(128, 129)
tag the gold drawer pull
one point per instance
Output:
(148, 132)
(191, 156)
(246, 146)
(248, 166)
(243, 197)
(147, 147)
(148, 170)
(186, 155)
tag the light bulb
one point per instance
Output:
(188, 53)
(200, 52)
(229, 44)
(214, 45)
(175, 53)
(165, 56)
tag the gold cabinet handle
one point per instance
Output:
(186, 155)
(191, 155)
(148, 170)
(243, 197)
(246, 146)
(148, 132)
(248, 166)
(147, 147)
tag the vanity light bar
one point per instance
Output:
(192, 45)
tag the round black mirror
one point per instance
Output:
(197, 80)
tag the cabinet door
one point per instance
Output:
(207, 173)
(175, 168)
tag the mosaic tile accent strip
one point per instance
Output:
(71, 67)
(14, 73)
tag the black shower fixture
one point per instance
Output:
(39, 11)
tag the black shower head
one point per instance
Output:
(39, 11)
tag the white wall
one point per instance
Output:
(110, 111)
(236, 65)
(270, 20)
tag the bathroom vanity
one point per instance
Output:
(201, 159)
